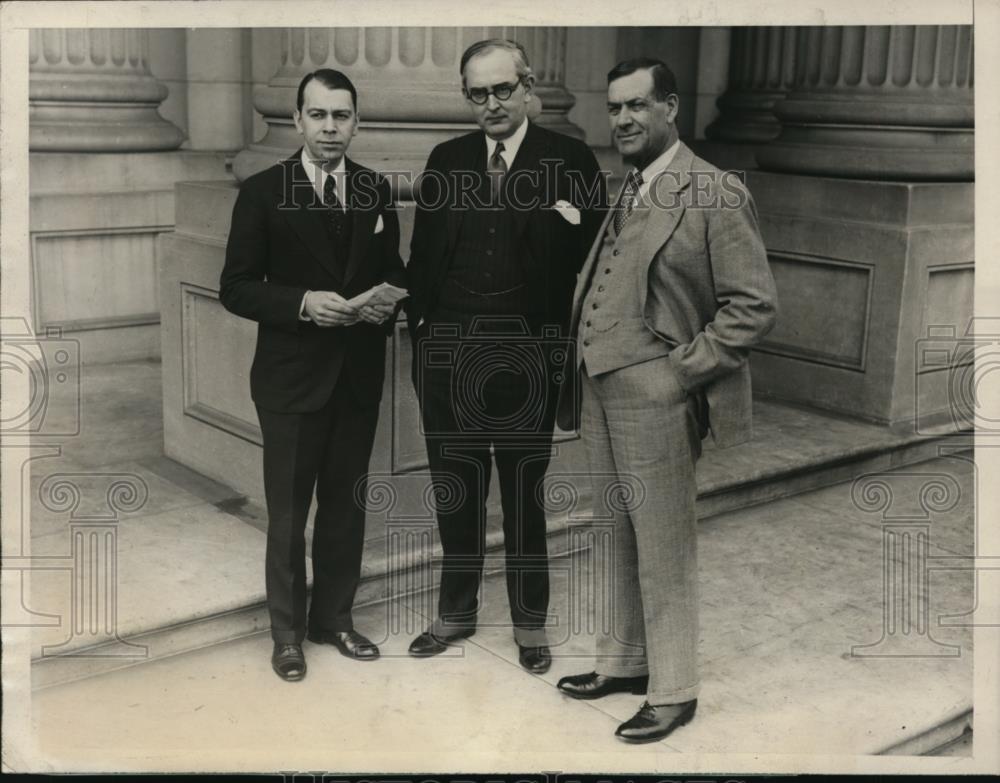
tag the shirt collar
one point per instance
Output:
(510, 145)
(313, 171)
(660, 164)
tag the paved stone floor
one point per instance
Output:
(796, 656)
(788, 590)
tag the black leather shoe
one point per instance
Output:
(350, 643)
(536, 660)
(594, 685)
(428, 643)
(654, 723)
(288, 661)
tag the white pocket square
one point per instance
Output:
(379, 225)
(569, 213)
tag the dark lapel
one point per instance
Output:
(299, 203)
(362, 196)
(527, 190)
(471, 158)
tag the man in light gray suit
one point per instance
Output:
(675, 291)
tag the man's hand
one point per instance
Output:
(376, 313)
(326, 308)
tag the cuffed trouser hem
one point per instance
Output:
(335, 628)
(621, 669)
(531, 637)
(284, 636)
(445, 628)
(673, 697)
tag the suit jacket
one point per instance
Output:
(278, 249)
(708, 291)
(549, 167)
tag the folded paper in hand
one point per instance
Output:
(382, 294)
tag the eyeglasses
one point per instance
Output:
(502, 91)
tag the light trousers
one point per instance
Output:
(643, 437)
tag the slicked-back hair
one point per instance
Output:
(521, 64)
(664, 81)
(331, 79)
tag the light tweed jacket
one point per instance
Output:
(708, 293)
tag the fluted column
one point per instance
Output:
(91, 91)
(878, 103)
(546, 47)
(409, 88)
(761, 69)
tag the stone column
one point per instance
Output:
(761, 68)
(409, 88)
(866, 207)
(216, 60)
(102, 166)
(890, 103)
(91, 91)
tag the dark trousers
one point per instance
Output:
(327, 450)
(488, 391)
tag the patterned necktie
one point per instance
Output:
(496, 168)
(330, 193)
(336, 218)
(627, 201)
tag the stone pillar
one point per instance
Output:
(891, 103)
(216, 60)
(761, 68)
(714, 44)
(866, 208)
(102, 167)
(91, 91)
(409, 88)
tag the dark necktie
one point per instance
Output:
(627, 201)
(496, 168)
(337, 223)
(330, 193)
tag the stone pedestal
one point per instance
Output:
(865, 271)
(94, 221)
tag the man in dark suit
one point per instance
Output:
(673, 295)
(504, 219)
(308, 234)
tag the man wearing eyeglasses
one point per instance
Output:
(504, 218)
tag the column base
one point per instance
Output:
(873, 152)
(100, 126)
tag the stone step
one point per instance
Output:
(794, 451)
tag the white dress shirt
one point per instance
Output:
(656, 167)
(510, 145)
(317, 176)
